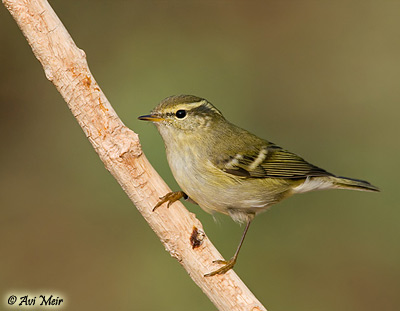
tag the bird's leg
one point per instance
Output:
(171, 197)
(227, 265)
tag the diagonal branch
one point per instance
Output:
(119, 148)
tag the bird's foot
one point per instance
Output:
(227, 265)
(170, 197)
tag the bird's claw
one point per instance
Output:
(170, 197)
(227, 265)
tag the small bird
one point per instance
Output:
(224, 168)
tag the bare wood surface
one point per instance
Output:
(119, 148)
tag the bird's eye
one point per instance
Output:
(180, 114)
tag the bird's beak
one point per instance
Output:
(151, 117)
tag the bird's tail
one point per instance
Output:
(353, 184)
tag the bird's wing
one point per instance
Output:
(269, 160)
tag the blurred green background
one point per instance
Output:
(320, 78)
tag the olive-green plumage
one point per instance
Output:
(226, 169)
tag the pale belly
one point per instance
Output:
(216, 191)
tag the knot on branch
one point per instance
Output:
(121, 141)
